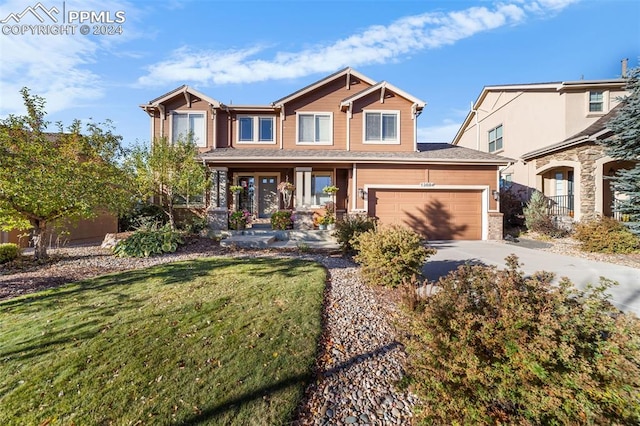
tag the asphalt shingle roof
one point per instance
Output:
(428, 152)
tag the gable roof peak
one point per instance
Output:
(322, 82)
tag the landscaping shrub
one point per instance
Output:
(537, 218)
(606, 235)
(352, 226)
(142, 215)
(494, 347)
(9, 252)
(147, 242)
(390, 254)
(282, 219)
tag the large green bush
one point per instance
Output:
(9, 252)
(352, 226)
(147, 242)
(606, 235)
(494, 347)
(390, 254)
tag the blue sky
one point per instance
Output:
(255, 52)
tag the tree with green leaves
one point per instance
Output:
(49, 177)
(624, 144)
(168, 172)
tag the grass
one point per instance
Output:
(213, 341)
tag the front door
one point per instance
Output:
(268, 195)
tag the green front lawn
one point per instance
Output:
(213, 341)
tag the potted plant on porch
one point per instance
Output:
(286, 188)
(239, 219)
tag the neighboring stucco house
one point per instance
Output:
(345, 130)
(552, 129)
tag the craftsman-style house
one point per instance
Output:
(345, 130)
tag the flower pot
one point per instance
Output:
(322, 227)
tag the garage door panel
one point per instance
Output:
(439, 215)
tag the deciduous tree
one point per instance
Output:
(168, 171)
(47, 177)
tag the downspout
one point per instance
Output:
(214, 118)
(282, 116)
(228, 126)
(349, 115)
(163, 117)
(414, 116)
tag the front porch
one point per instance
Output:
(578, 191)
(258, 191)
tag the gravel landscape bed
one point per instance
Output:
(360, 359)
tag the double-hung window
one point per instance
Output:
(381, 127)
(495, 139)
(315, 128)
(255, 129)
(596, 101)
(189, 124)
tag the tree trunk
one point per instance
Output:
(39, 240)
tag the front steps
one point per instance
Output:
(268, 238)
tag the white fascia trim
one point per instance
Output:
(484, 197)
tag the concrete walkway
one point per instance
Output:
(451, 254)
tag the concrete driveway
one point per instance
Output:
(451, 254)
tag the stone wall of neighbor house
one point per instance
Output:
(587, 155)
(495, 226)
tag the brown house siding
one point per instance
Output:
(324, 99)
(393, 103)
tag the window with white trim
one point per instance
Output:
(315, 128)
(495, 139)
(255, 129)
(189, 124)
(596, 101)
(381, 127)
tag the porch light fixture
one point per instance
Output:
(361, 193)
(496, 194)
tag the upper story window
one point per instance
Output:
(381, 127)
(495, 139)
(596, 101)
(255, 129)
(185, 124)
(315, 128)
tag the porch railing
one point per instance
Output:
(560, 205)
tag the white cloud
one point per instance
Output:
(376, 44)
(56, 67)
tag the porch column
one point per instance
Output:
(218, 206)
(304, 216)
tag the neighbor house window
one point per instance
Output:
(315, 128)
(506, 181)
(189, 124)
(381, 126)
(253, 129)
(495, 139)
(596, 101)
(318, 182)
